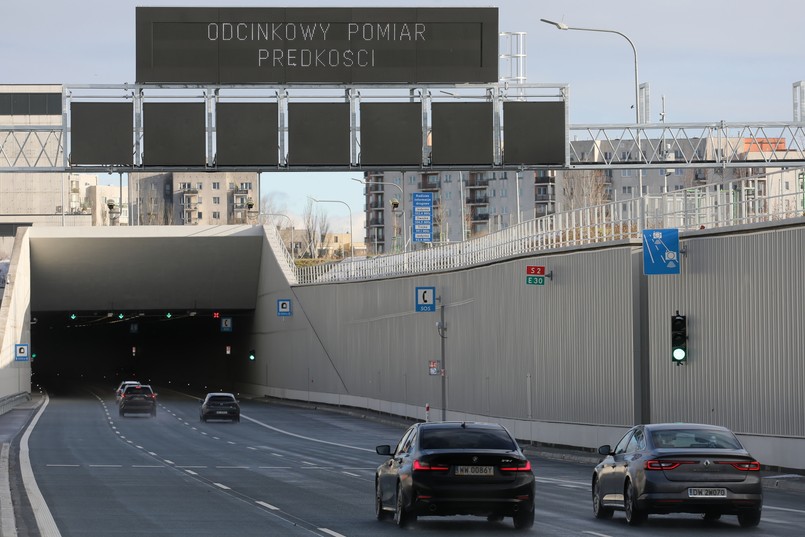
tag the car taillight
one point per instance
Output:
(752, 466)
(424, 466)
(524, 466)
(665, 465)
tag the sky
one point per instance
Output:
(712, 60)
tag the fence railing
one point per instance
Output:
(769, 197)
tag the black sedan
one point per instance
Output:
(455, 468)
(678, 468)
(220, 406)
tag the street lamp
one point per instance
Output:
(402, 200)
(351, 235)
(563, 26)
(291, 222)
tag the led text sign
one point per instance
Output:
(317, 46)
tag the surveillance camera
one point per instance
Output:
(395, 203)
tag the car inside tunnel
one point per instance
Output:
(196, 349)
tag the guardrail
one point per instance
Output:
(771, 197)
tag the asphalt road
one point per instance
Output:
(284, 470)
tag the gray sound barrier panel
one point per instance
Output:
(247, 134)
(391, 134)
(174, 134)
(318, 134)
(101, 134)
(462, 134)
(534, 133)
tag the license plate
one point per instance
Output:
(475, 470)
(707, 493)
(220, 411)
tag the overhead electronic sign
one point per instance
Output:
(317, 46)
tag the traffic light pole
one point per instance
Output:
(441, 328)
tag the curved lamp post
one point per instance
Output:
(563, 26)
(351, 235)
(402, 201)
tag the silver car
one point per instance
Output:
(678, 468)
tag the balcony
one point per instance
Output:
(428, 183)
(477, 180)
(478, 200)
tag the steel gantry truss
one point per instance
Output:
(46, 148)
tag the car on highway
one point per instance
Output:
(455, 468)
(678, 468)
(123, 384)
(220, 406)
(137, 399)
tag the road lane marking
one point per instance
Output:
(152, 453)
(189, 466)
(350, 473)
(267, 505)
(232, 467)
(309, 463)
(331, 532)
(168, 461)
(64, 465)
(288, 433)
(221, 486)
(191, 472)
(596, 534)
(105, 466)
(274, 467)
(147, 466)
(786, 509)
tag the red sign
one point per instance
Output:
(535, 270)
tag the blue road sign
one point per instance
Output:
(660, 251)
(284, 307)
(423, 217)
(425, 299)
(21, 352)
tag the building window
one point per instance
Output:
(448, 178)
(216, 186)
(216, 200)
(504, 193)
(608, 156)
(626, 173)
(245, 186)
(627, 189)
(184, 186)
(199, 186)
(448, 195)
(200, 215)
(216, 215)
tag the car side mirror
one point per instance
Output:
(605, 450)
(383, 450)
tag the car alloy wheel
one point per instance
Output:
(380, 513)
(598, 507)
(401, 517)
(634, 515)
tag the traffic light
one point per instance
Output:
(679, 339)
(252, 355)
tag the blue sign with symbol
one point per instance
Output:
(425, 299)
(660, 251)
(21, 352)
(284, 307)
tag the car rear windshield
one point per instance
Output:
(133, 390)
(221, 399)
(695, 438)
(466, 439)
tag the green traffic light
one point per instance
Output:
(72, 316)
(120, 316)
(679, 354)
(168, 315)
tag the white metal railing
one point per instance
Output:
(771, 197)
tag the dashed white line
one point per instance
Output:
(274, 467)
(232, 467)
(147, 466)
(152, 453)
(221, 486)
(350, 473)
(168, 461)
(230, 442)
(331, 532)
(191, 472)
(64, 465)
(105, 466)
(267, 506)
(309, 463)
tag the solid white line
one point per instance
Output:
(220, 486)
(44, 519)
(268, 506)
(596, 534)
(350, 473)
(331, 532)
(786, 509)
(305, 437)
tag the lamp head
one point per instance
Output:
(559, 25)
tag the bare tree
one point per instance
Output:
(316, 226)
(583, 188)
